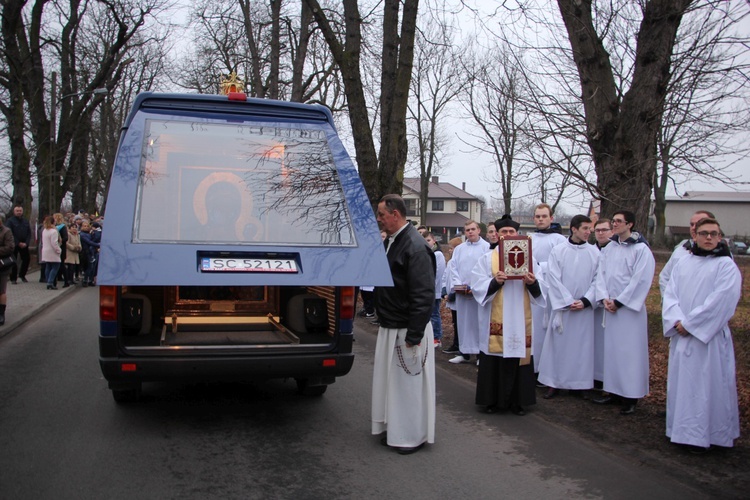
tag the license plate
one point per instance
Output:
(248, 265)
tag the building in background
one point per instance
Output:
(448, 207)
(731, 210)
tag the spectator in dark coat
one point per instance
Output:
(21, 230)
(7, 244)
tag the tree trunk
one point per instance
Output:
(398, 56)
(385, 174)
(622, 135)
(19, 154)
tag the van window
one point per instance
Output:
(220, 183)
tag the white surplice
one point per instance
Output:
(567, 359)
(626, 271)
(679, 252)
(465, 257)
(599, 340)
(702, 409)
(513, 310)
(403, 404)
(541, 246)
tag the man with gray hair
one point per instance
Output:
(403, 386)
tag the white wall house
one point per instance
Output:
(732, 210)
(448, 207)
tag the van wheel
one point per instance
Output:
(124, 396)
(304, 388)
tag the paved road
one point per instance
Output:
(62, 436)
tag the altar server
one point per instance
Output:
(626, 270)
(699, 301)
(567, 360)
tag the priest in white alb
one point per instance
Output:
(699, 300)
(506, 377)
(567, 360)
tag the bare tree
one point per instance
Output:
(436, 82)
(706, 106)
(33, 42)
(622, 129)
(495, 99)
(274, 47)
(381, 173)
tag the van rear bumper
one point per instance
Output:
(132, 369)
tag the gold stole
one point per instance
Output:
(496, 317)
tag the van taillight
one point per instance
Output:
(346, 310)
(108, 303)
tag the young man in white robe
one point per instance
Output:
(547, 236)
(568, 353)
(465, 257)
(506, 377)
(602, 234)
(699, 301)
(626, 270)
(403, 383)
(681, 250)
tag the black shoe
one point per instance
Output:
(697, 450)
(409, 451)
(540, 385)
(627, 409)
(518, 410)
(551, 393)
(605, 400)
(66, 285)
(451, 350)
(84, 284)
(14, 282)
(50, 287)
(2, 319)
(384, 440)
(491, 409)
(23, 278)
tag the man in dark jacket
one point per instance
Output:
(21, 230)
(403, 397)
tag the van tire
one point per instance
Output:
(125, 396)
(304, 388)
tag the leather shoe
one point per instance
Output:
(604, 400)
(50, 287)
(551, 393)
(491, 409)
(628, 409)
(409, 451)
(518, 410)
(384, 440)
(23, 278)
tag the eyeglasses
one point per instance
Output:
(706, 234)
(618, 221)
(602, 230)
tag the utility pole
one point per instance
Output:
(52, 144)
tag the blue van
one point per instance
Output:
(236, 231)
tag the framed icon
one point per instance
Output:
(515, 256)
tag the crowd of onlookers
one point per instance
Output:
(67, 247)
